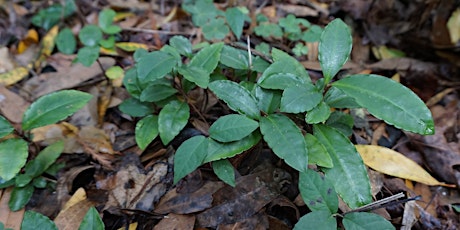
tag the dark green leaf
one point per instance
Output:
(195, 74)
(318, 192)
(90, 35)
(66, 42)
(390, 101)
(172, 119)
(237, 97)
(317, 153)
(234, 58)
(235, 19)
(173, 52)
(318, 114)
(154, 65)
(294, 66)
(136, 108)
(232, 127)
(259, 64)
(106, 17)
(342, 122)
(224, 170)
(349, 175)
(108, 43)
(13, 156)
(285, 139)
(208, 57)
(316, 220)
(132, 84)
(139, 53)
(34, 220)
(48, 17)
(92, 221)
(313, 34)
(215, 29)
(300, 98)
(189, 156)
(157, 92)
(87, 55)
(39, 182)
(20, 196)
(54, 107)
(364, 220)
(267, 100)
(279, 80)
(5, 127)
(334, 48)
(146, 130)
(181, 44)
(335, 98)
(217, 150)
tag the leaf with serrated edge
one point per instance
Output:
(334, 48)
(232, 127)
(172, 119)
(390, 101)
(349, 175)
(234, 58)
(208, 57)
(285, 139)
(154, 65)
(53, 107)
(217, 150)
(146, 130)
(316, 220)
(189, 156)
(299, 69)
(318, 114)
(365, 220)
(268, 100)
(317, 154)
(195, 74)
(300, 98)
(224, 170)
(318, 192)
(236, 96)
(10, 164)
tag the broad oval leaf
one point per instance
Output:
(44, 159)
(136, 108)
(34, 220)
(349, 175)
(87, 55)
(316, 220)
(207, 58)
(318, 192)
(105, 21)
(294, 65)
(318, 114)
(66, 42)
(317, 153)
(146, 130)
(390, 101)
(300, 98)
(132, 84)
(154, 65)
(90, 35)
(181, 44)
(285, 139)
(236, 96)
(5, 127)
(334, 48)
(54, 107)
(232, 127)
(13, 156)
(195, 74)
(279, 81)
(157, 92)
(218, 150)
(20, 196)
(224, 170)
(234, 58)
(172, 119)
(365, 220)
(189, 156)
(92, 220)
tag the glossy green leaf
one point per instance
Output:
(172, 119)
(13, 156)
(365, 220)
(224, 170)
(136, 108)
(342, 122)
(318, 192)
(335, 98)
(90, 35)
(189, 156)
(300, 98)
(157, 92)
(53, 107)
(349, 175)
(106, 17)
(154, 65)
(5, 127)
(294, 66)
(66, 42)
(92, 221)
(317, 153)
(218, 150)
(132, 84)
(285, 139)
(215, 29)
(279, 80)
(234, 58)
(267, 100)
(20, 196)
(146, 130)
(316, 220)
(334, 48)
(318, 114)
(43, 161)
(34, 220)
(195, 74)
(208, 57)
(235, 19)
(87, 55)
(181, 44)
(237, 97)
(390, 101)
(232, 127)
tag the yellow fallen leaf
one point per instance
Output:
(132, 226)
(13, 76)
(392, 163)
(453, 25)
(47, 44)
(31, 38)
(131, 46)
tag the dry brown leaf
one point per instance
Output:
(12, 106)
(71, 216)
(176, 221)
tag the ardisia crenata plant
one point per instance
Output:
(275, 102)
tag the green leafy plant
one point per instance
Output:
(15, 170)
(276, 103)
(52, 15)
